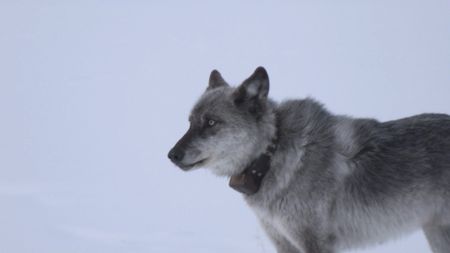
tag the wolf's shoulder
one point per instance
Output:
(304, 119)
(295, 110)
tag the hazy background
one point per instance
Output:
(94, 93)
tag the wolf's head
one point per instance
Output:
(229, 126)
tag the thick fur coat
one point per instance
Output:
(335, 182)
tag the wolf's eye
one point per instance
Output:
(211, 122)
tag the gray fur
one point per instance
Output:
(335, 182)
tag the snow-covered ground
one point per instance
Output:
(94, 93)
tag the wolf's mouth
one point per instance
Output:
(186, 167)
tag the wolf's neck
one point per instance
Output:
(249, 180)
(305, 135)
(267, 135)
(268, 132)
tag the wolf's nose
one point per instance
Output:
(175, 155)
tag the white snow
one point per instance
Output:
(94, 93)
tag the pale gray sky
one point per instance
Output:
(94, 93)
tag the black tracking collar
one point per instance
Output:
(249, 181)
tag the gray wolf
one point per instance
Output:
(333, 182)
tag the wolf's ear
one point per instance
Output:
(255, 88)
(216, 80)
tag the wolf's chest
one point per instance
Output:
(278, 222)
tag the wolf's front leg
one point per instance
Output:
(282, 245)
(313, 243)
